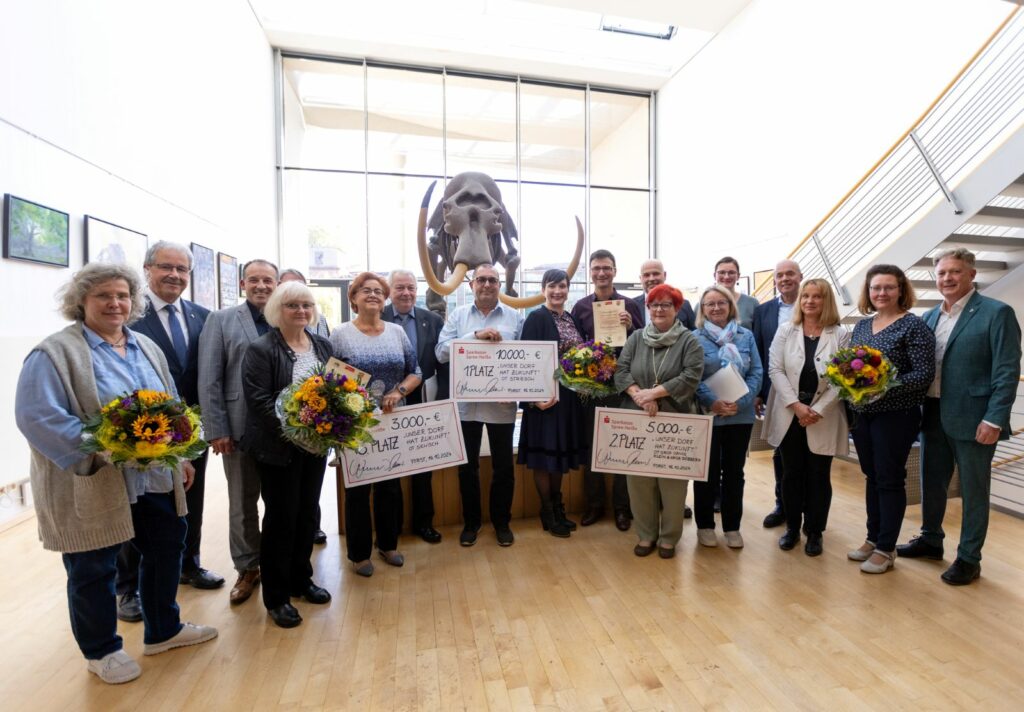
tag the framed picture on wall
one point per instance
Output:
(227, 275)
(107, 242)
(34, 232)
(204, 277)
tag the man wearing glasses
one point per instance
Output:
(488, 320)
(602, 274)
(174, 324)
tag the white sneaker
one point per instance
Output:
(733, 540)
(115, 668)
(190, 634)
(707, 537)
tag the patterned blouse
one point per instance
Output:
(568, 336)
(388, 357)
(910, 345)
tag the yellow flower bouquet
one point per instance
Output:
(145, 428)
(861, 374)
(325, 411)
(588, 369)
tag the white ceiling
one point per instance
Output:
(551, 39)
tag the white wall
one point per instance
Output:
(766, 129)
(155, 116)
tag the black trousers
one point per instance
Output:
(359, 526)
(594, 482)
(290, 494)
(806, 482)
(779, 469)
(128, 558)
(503, 482)
(422, 501)
(725, 465)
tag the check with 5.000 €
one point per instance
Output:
(630, 442)
(504, 370)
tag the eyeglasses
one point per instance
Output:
(664, 306)
(602, 269)
(296, 306)
(715, 305)
(486, 280)
(367, 291)
(884, 288)
(180, 269)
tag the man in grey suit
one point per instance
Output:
(422, 327)
(966, 411)
(222, 345)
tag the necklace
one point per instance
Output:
(116, 344)
(657, 368)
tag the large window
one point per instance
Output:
(363, 142)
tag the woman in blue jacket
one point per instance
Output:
(726, 345)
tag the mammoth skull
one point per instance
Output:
(471, 220)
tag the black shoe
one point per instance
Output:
(775, 518)
(429, 535)
(559, 508)
(813, 546)
(550, 523)
(201, 578)
(468, 536)
(504, 535)
(313, 594)
(623, 521)
(320, 537)
(644, 549)
(788, 540)
(285, 615)
(129, 608)
(687, 513)
(918, 548)
(592, 517)
(961, 573)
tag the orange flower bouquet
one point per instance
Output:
(325, 411)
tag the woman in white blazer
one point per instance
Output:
(804, 417)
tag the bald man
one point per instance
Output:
(652, 273)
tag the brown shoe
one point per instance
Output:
(244, 586)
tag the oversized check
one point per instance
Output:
(407, 440)
(483, 371)
(630, 442)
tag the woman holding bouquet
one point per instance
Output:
(803, 417)
(290, 476)
(726, 344)
(551, 437)
(85, 506)
(659, 369)
(383, 350)
(887, 427)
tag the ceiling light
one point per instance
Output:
(628, 26)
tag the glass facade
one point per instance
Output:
(361, 143)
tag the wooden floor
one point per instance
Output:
(578, 624)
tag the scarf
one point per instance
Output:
(724, 337)
(662, 339)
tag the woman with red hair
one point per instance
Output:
(659, 369)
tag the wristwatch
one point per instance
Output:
(403, 390)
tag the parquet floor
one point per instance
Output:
(577, 624)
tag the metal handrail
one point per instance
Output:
(765, 290)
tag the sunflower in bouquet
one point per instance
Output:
(861, 374)
(589, 370)
(145, 428)
(326, 410)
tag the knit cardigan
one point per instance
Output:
(86, 506)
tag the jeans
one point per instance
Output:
(159, 537)
(883, 442)
(806, 482)
(729, 445)
(503, 482)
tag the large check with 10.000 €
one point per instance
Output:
(488, 371)
(630, 442)
(407, 440)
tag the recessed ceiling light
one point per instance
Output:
(629, 26)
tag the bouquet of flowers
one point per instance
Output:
(861, 374)
(589, 370)
(145, 428)
(326, 410)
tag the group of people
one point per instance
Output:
(129, 538)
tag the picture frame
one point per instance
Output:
(35, 233)
(204, 277)
(227, 277)
(107, 242)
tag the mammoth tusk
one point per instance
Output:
(458, 274)
(538, 299)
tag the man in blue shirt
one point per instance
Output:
(485, 319)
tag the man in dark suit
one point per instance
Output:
(174, 324)
(222, 345)
(767, 318)
(422, 327)
(652, 273)
(966, 411)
